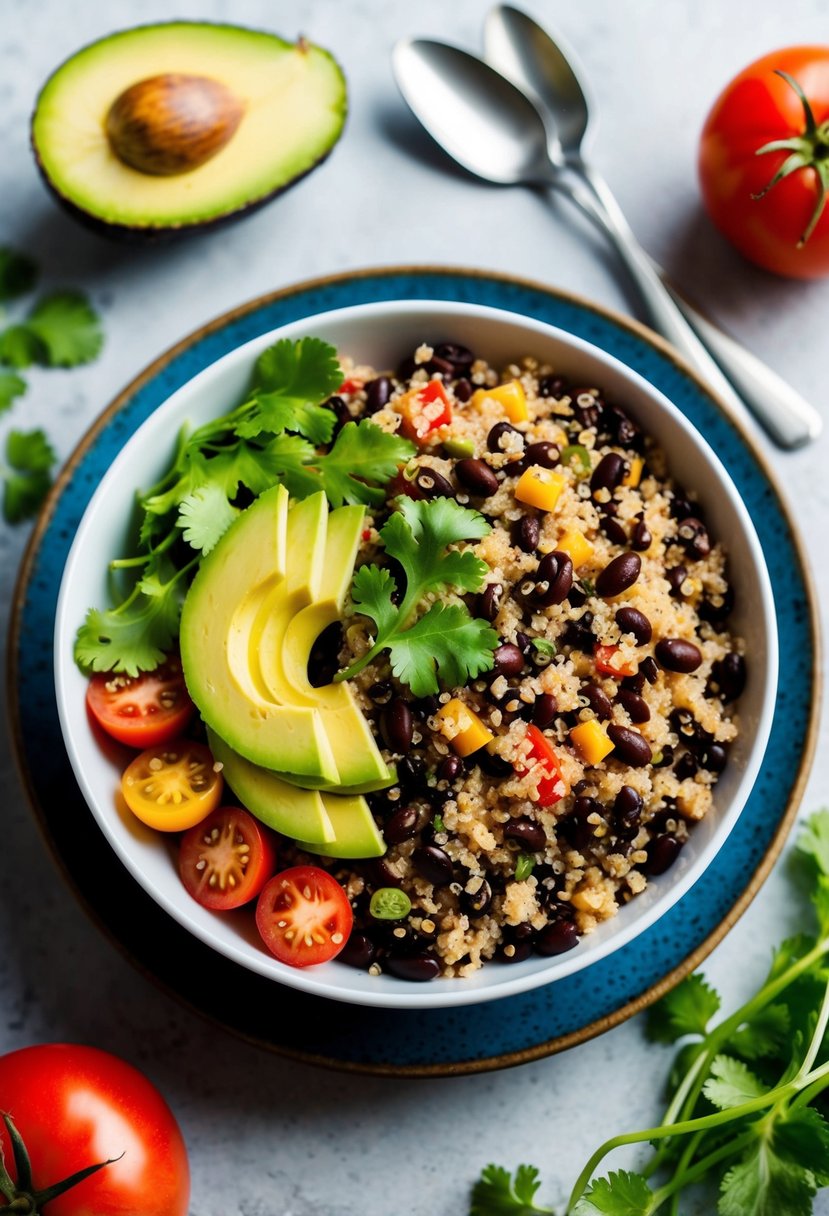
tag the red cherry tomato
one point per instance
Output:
(552, 787)
(143, 710)
(768, 223)
(77, 1106)
(605, 663)
(303, 916)
(225, 860)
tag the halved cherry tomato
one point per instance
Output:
(423, 410)
(303, 916)
(225, 860)
(552, 787)
(173, 786)
(142, 710)
(604, 655)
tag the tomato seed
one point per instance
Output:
(336, 938)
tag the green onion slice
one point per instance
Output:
(390, 903)
(577, 451)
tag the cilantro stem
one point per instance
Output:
(817, 1038)
(701, 1168)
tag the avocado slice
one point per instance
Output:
(355, 832)
(165, 128)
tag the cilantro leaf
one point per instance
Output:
(766, 1184)
(764, 1035)
(418, 536)
(619, 1194)
(68, 328)
(801, 1137)
(307, 370)
(686, 1009)
(497, 1192)
(204, 516)
(11, 386)
(361, 461)
(813, 841)
(18, 273)
(371, 593)
(27, 477)
(19, 347)
(137, 634)
(731, 1083)
(445, 646)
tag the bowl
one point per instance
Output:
(379, 335)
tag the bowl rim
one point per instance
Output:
(463, 991)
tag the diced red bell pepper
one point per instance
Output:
(351, 386)
(552, 787)
(423, 410)
(603, 656)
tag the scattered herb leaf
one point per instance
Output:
(497, 1192)
(67, 328)
(18, 273)
(549, 649)
(11, 386)
(524, 867)
(27, 475)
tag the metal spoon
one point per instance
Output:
(494, 131)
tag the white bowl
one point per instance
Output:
(380, 334)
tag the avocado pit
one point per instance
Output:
(172, 123)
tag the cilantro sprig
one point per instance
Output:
(744, 1091)
(274, 435)
(445, 644)
(26, 473)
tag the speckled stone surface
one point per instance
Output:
(270, 1137)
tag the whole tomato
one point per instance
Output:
(75, 1107)
(764, 161)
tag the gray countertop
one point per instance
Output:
(269, 1137)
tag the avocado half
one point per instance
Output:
(166, 129)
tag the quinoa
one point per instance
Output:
(611, 608)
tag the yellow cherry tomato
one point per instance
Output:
(173, 786)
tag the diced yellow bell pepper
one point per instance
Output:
(511, 396)
(462, 727)
(576, 545)
(635, 473)
(591, 741)
(538, 487)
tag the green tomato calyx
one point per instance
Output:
(21, 1196)
(808, 150)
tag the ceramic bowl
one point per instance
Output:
(380, 335)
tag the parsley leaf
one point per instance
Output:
(619, 1194)
(27, 477)
(686, 1009)
(11, 386)
(18, 273)
(731, 1083)
(497, 1192)
(67, 327)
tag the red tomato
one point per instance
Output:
(77, 1106)
(303, 916)
(603, 657)
(225, 860)
(551, 788)
(424, 410)
(143, 710)
(770, 223)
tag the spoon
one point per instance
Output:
(491, 128)
(548, 74)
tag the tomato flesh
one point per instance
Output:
(303, 916)
(603, 656)
(225, 860)
(424, 410)
(142, 710)
(173, 786)
(551, 785)
(76, 1106)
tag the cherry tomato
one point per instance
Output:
(606, 664)
(303, 916)
(551, 787)
(225, 860)
(173, 786)
(423, 410)
(779, 224)
(143, 710)
(78, 1106)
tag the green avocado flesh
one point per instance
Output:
(292, 100)
(266, 573)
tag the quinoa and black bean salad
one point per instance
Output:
(536, 799)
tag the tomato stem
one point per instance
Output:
(21, 1196)
(809, 150)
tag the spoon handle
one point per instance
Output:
(786, 416)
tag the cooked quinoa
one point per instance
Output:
(614, 658)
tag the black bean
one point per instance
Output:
(459, 356)
(588, 411)
(524, 643)
(686, 726)
(556, 938)
(489, 601)
(577, 597)
(554, 578)
(676, 654)
(619, 574)
(713, 757)
(715, 608)
(576, 827)
(406, 369)
(676, 576)
(417, 968)
(728, 676)
(492, 764)
(632, 748)
(613, 530)
(507, 660)
(664, 758)
(411, 774)
(543, 454)
(694, 537)
(682, 507)
(358, 951)
(598, 701)
(450, 768)
(433, 864)
(442, 366)
(649, 669)
(631, 620)
(341, 411)
(544, 710)
(662, 853)
(401, 826)
(516, 944)
(578, 634)
(531, 835)
(608, 473)
(495, 438)
(636, 706)
(477, 904)
(622, 428)
(381, 692)
(634, 683)
(378, 393)
(627, 811)
(685, 767)
(398, 726)
(641, 538)
(463, 389)
(552, 386)
(424, 707)
(527, 533)
(477, 477)
(433, 484)
(378, 873)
